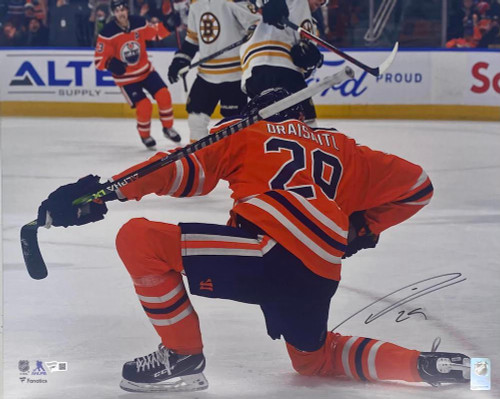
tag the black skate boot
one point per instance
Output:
(149, 142)
(171, 134)
(442, 367)
(164, 370)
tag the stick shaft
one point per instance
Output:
(328, 46)
(264, 113)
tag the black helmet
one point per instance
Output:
(114, 4)
(270, 96)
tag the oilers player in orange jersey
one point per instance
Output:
(304, 198)
(121, 49)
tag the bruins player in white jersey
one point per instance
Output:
(212, 26)
(277, 57)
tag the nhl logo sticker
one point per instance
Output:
(23, 366)
(131, 52)
(209, 28)
(480, 374)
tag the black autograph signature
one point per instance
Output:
(409, 293)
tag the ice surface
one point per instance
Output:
(87, 314)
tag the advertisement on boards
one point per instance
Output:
(415, 77)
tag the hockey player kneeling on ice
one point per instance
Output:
(291, 224)
(121, 49)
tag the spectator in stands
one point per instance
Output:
(11, 35)
(490, 34)
(99, 16)
(37, 35)
(458, 18)
(467, 41)
(36, 9)
(145, 8)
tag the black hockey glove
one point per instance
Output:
(306, 55)
(116, 67)
(273, 12)
(58, 210)
(180, 61)
(360, 236)
(172, 21)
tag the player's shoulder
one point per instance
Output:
(223, 123)
(110, 29)
(136, 22)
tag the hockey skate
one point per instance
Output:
(171, 134)
(442, 367)
(149, 142)
(164, 371)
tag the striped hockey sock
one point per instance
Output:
(367, 359)
(169, 309)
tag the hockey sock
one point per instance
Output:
(164, 100)
(151, 252)
(198, 125)
(363, 359)
(144, 110)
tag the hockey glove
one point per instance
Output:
(172, 21)
(58, 210)
(273, 12)
(306, 55)
(116, 67)
(360, 236)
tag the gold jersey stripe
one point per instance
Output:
(263, 54)
(267, 43)
(218, 71)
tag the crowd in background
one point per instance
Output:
(414, 23)
(474, 24)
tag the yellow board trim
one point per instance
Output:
(354, 111)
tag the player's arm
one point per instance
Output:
(104, 58)
(185, 54)
(194, 175)
(243, 15)
(389, 191)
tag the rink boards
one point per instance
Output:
(421, 84)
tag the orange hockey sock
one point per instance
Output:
(362, 359)
(151, 252)
(164, 100)
(143, 113)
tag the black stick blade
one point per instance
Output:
(31, 251)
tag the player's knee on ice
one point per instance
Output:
(149, 248)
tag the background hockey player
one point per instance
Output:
(121, 49)
(212, 26)
(276, 56)
(303, 199)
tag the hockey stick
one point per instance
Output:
(238, 43)
(373, 71)
(29, 242)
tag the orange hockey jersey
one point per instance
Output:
(129, 47)
(297, 184)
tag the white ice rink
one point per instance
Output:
(87, 314)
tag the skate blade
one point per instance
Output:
(186, 383)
